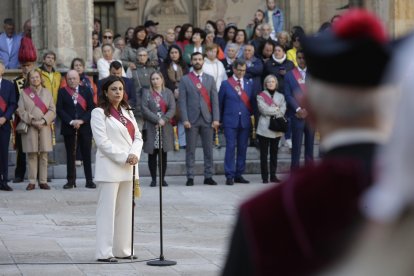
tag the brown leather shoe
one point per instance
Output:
(44, 186)
(30, 187)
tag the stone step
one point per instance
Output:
(176, 163)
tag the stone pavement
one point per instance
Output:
(58, 226)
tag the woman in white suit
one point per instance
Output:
(119, 146)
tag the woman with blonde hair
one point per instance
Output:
(37, 110)
(158, 108)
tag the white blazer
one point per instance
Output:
(114, 145)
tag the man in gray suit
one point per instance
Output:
(198, 102)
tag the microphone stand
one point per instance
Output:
(162, 261)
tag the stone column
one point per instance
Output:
(65, 27)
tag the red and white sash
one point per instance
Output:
(79, 98)
(203, 91)
(36, 99)
(299, 79)
(243, 94)
(125, 121)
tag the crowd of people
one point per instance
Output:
(159, 92)
(217, 78)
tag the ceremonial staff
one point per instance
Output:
(75, 102)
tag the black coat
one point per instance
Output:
(273, 67)
(67, 111)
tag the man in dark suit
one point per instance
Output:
(305, 223)
(235, 99)
(8, 105)
(115, 69)
(74, 106)
(200, 115)
(295, 87)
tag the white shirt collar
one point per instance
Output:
(199, 49)
(236, 79)
(352, 136)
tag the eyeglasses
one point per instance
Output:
(107, 37)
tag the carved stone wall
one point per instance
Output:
(64, 27)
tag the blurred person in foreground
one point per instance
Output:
(302, 225)
(385, 244)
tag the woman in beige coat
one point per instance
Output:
(270, 103)
(37, 109)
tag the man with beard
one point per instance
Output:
(198, 101)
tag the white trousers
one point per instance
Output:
(113, 220)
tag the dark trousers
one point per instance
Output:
(20, 170)
(152, 164)
(268, 146)
(235, 138)
(299, 128)
(204, 129)
(4, 152)
(85, 143)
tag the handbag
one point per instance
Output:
(22, 127)
(279, 124)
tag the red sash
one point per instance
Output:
(158, 99)
(124, 120)
(36, 99)
(243, 95)
(163, 105)
(81, 100)
(203, 91)
(298, 78)
(3, 104)
(266, 98)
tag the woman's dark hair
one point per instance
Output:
(181, 34)
(298, 30)
(212, 23)
(126, 34)
(280, 46)
(245, 36)
(157, 36)
(103, 98)
(72, 64)
(134, 40)
(226, 31)
(180, 62)
(199, 31)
